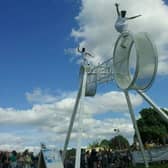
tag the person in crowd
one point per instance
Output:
(1, 153)
(105, 159)
(13, 159)
(5, 160)
(87, 155)
(20, 161)
(27, 160)
(100, 159)
(93, 159)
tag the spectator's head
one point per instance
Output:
(93, 152)
(14, 153)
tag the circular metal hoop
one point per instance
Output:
(145, 58)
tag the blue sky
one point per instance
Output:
(34, 35)
(39, 80)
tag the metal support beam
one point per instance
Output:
(76, 106)
(158, 110)
(136, 127)
(80, 121)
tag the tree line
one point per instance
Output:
(151, 126)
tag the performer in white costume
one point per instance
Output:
(121, 22)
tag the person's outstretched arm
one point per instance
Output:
(133, 17)
(117, 8)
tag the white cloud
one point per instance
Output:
(163, 67)
(105, 128)
(62, 109)
(111, 101)
(96, 26)
(11, 142)
(13, 139)
(49, 122)
(39, 97)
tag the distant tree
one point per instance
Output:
(70, 153)
(94, 144)
(119, 142)
(152, 127)
(105, 144)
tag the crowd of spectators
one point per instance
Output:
(102, 159)
(13, 159)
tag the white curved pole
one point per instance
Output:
(136, 127)
(160, 112)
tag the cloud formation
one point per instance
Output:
(38, 96)
(96, 26)
(49, 122)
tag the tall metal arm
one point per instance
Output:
(72, 121)
(89, 78)
(75, 110)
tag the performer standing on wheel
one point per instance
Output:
(121, 24)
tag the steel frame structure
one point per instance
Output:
(117, 68)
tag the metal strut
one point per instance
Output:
(136, 127)
(163, 115)
(81, 93)
(71, 122)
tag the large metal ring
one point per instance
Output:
(139, 50)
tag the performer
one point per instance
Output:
(85, 54)
(121, 24)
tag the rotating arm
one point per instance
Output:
(72, 120)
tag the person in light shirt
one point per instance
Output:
(121, 22)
